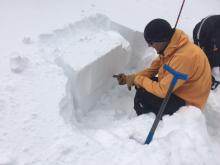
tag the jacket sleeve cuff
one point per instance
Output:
(139, 80)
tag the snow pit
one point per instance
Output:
(106, 48)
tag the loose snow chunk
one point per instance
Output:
(18, 63)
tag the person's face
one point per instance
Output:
(159, 46)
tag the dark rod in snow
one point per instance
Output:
(179, 14)
(176, 76)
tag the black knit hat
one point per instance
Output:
(158, 30)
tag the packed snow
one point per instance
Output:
(59, 104)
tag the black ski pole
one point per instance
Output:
(176, 76)
(177, 20)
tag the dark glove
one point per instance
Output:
(125, 79)
(215, 84)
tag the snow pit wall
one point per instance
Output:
(87, 84)
(96, 78)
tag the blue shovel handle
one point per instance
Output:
(176, 77)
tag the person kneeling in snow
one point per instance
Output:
(174, 49)
(206, 34)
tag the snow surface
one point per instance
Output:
(59, 104)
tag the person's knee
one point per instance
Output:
(138, 107)
(142, 102)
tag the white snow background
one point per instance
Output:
(59, 104)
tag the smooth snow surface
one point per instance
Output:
(59, 104)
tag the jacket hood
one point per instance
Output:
(178, 40)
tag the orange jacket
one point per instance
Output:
(185, 57)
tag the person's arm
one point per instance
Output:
(129, 79)
(160, 88)
(152, 70)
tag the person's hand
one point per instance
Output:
(121, 78)
(125, 79)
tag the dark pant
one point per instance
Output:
(145, 102)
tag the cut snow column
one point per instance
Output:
(95, 59)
